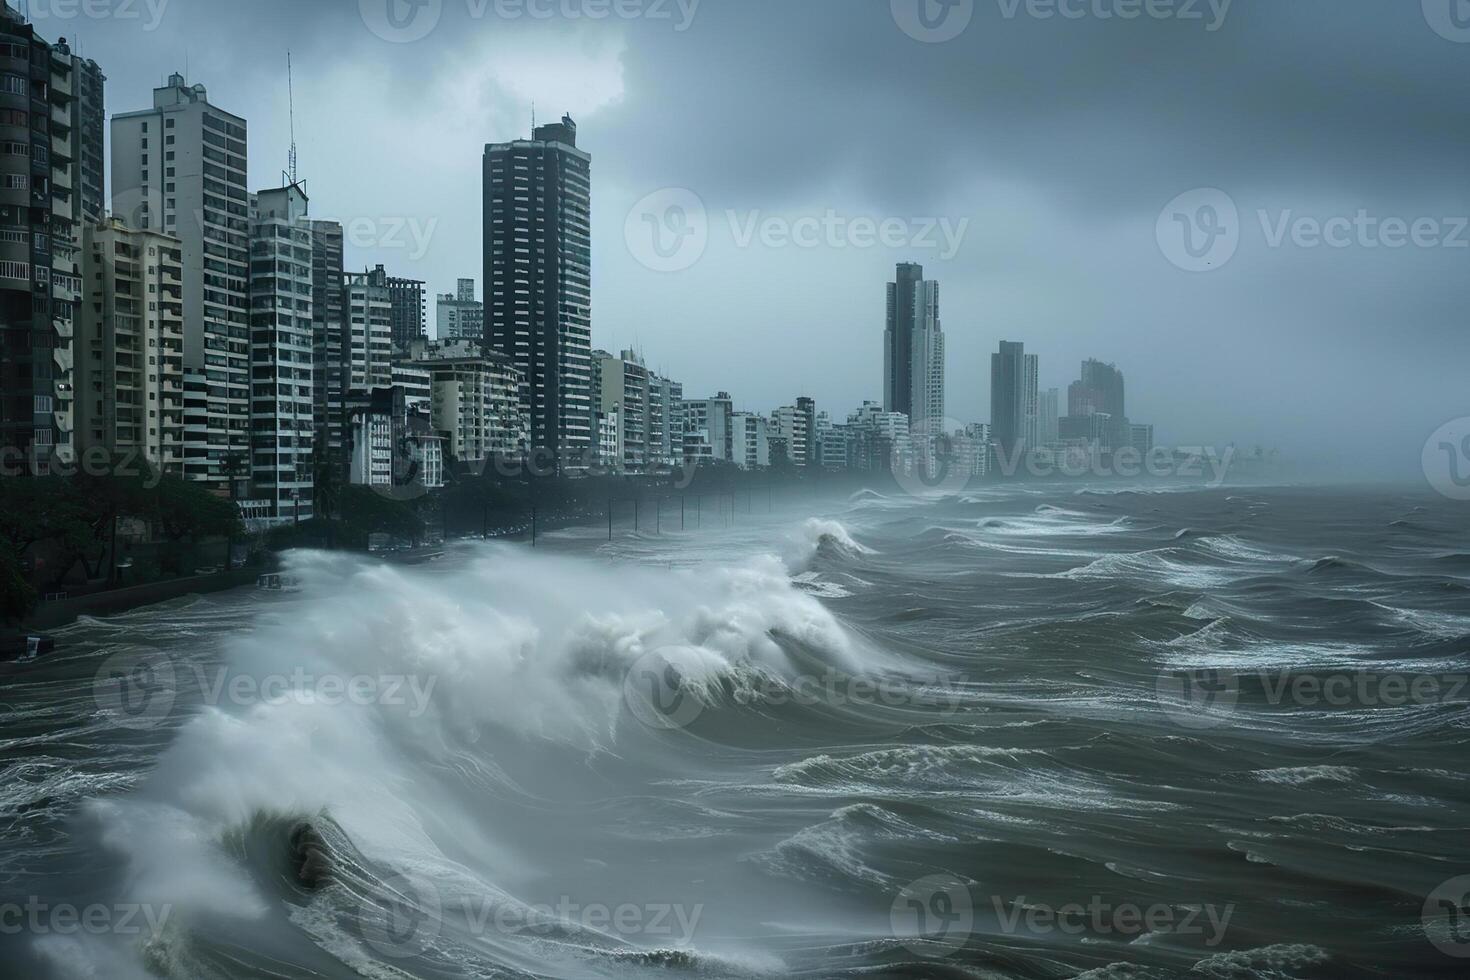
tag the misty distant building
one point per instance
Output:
(913, 347)
(750, 436)
(1142, 438)
(459, 316)
(792, 426)
(538, 278)
(1014, 402)
(1099, 389)
(708, 432)
(1048, 432)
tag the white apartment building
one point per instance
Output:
(750, 438)
(369, 314)
(180, 168)
(477, 400)
(621, 386)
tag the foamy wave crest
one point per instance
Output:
(492, 656)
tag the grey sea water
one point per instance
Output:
(1020, 732)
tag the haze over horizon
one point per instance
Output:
(1054, 142)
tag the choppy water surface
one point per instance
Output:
(1015, 733)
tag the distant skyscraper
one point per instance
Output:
(1099, 389)
(1013, 397)
(179, 168)
(913, 347)
(1050, 414)
(538, 278)
(459, 316)
(409, 323)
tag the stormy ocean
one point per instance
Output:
(1017, 732)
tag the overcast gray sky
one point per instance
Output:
(1048, 138)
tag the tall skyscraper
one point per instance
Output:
(1014, 409)
(180, 168)
(88, 118)
(913, 347)
(41, 210)
(538, 279)
(282, 406)
(329, 341)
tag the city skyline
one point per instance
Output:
(1025, 235)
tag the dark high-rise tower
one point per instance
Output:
(913, 347)
(1099, 390)
(1014, 405)
(538, 279)
(41, 209)
(409, 321)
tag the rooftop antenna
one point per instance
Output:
(291, 100)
